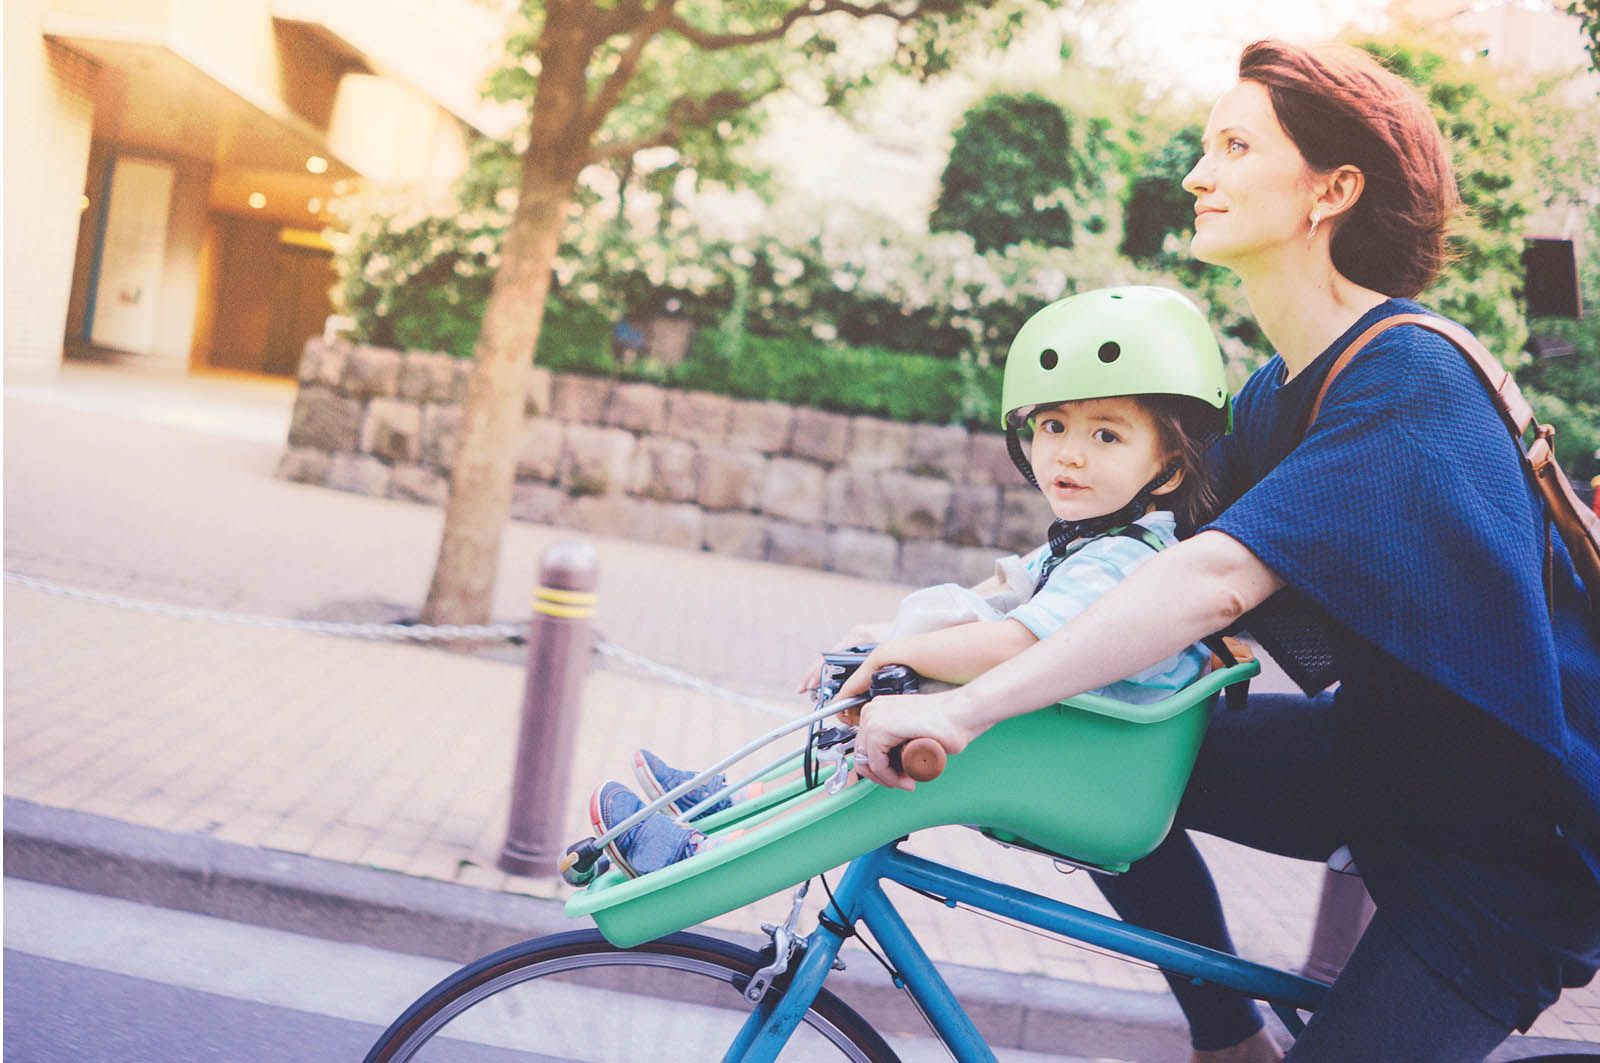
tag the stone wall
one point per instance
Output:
(858, 495)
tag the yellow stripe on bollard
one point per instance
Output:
(567, 605)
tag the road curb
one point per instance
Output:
(425, 917)
(391, 910)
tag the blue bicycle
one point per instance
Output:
(638, 987)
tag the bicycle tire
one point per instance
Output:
(584, 955)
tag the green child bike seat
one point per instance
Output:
(1091, 779)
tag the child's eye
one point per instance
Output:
(1052, 427)
(1105, 435)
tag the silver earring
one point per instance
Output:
(1316, 219)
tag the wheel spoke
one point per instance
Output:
(574, 997)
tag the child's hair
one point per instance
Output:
(1187, 427)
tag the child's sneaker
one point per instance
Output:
(654, 843)
(658, 780)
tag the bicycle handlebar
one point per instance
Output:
(922, 759)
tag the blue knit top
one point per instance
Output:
(1404, 520)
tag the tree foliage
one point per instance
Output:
(1588, 12)
(1011, 176)
(604, 80)
(1156, 206)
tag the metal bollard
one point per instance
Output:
(1343, 913)
(559, 643)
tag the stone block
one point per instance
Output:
(1024, 519)
(432, 378)
(419, 483)
(762, 426)
(639, 407)
(596, 460)
(819, 435)
(325, 420)
(793, 490)
(730, 479)
(372, 371)
(699, 416)
(870, 555)
(974, 515)
(793, 544)
(664, 469)
(614, 514)
(878, 444)
(679, 524)
(441, 434)
(855, 500)
(938, 450)
(927, 562)
(738, 534)
(323, 363)
(392, 430)
(540, 448)
(360, 474)
(303, 465)
(918, 505)
(540, 503)
(988, 462)
(541, 386)
(579, 399)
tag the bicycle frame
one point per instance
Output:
(861, 898)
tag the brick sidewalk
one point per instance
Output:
(400, 756)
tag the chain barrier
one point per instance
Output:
(671, 675)
(606, 652)
(382, 632)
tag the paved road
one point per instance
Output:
(91, 979)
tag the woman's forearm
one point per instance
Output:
(1180, 596)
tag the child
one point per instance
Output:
(1123, 391)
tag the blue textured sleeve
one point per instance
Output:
(1404, 514)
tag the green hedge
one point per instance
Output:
(844, 379)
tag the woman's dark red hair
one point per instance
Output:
(1342, 108)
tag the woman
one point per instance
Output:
(1460, 756)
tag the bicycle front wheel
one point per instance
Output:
(574, 996)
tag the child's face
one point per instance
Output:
(1092, 456)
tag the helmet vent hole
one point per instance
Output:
(1110, 352)
(1048, 358)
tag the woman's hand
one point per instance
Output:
(893, 720)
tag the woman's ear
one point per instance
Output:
(1337, 192)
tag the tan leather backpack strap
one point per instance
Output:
(1343, 360)
(1515, 408)
(1508, 397)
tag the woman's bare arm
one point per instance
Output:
(1185, 593)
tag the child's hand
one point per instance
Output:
(884, 654)
(860, 635)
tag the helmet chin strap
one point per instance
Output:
(1063, 532)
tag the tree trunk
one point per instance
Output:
(492, 416)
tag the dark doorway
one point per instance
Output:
(271, 296)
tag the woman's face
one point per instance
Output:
(1252, 187)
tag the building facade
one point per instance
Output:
(169, 163)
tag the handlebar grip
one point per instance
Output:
(921, 758)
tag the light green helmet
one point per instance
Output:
(1138, 340)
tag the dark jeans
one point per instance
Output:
(1265, 779)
